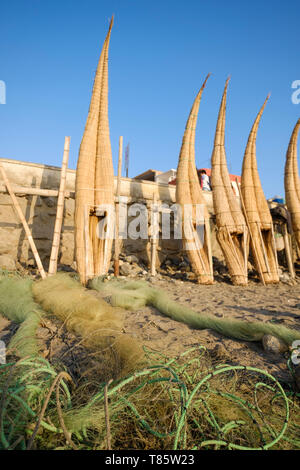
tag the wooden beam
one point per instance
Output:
(60, 210)
(24, 222)
(154, 221)
(117, 225)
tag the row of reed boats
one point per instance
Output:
(243, 224)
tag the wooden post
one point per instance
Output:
(274, 248)
(288, 252)
(263, 247)
(245, 252)
(208, 241)
(24, 222)
(60, 210)
(87, 250)
(154, 223)
(117, 225)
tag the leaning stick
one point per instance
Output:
(250, 233)
(274, 248)
(288, 252)
(117, 240)
(208, 239)
(263, 248)
(106, 412)
(60, 210)
(198, 247)
(24, 222)
(153, 238)
(87, 261)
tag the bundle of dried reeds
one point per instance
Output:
(232, 232)
(94, 178)
(292, 184)
(196, 232)
(257, 212)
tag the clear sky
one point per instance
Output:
(160, 52)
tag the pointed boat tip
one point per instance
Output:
(204, 83)
(111, 21)
(265, 102)
(226, 84)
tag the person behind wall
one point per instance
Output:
(205, 181)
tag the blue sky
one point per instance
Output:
(160, 53)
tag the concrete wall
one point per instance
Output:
(36, 188)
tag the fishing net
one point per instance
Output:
(17, 304)
(135, 294)
(98, 323)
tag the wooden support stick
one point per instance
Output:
(198, 247)
(263, 247)
(106, 412)
(250, 233)
(274, 248)
(153, 238)
(288, 252)
(35, 191)
(245, 251)
(60, 210)
(117, 226)
(208, 242)
(24, 222)
(87, 251)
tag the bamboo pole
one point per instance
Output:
(274, 249)
(60, 210)
(87, 250)
(208, 237)
(288, 252)
(245, 252)
(21, 190)
(106, 412)
(153, 238)
(24, 222)
(117, 240)
(263, 248)
(197, 244)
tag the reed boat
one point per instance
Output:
(257, 212)
(94, 187)
(232, 231)
(195, 217)
(292, 184)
